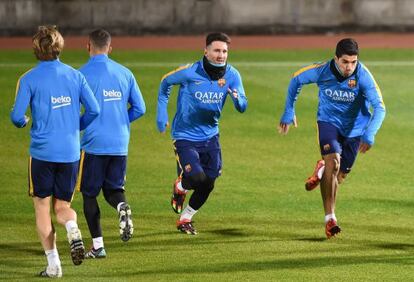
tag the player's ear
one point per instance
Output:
(109, 49)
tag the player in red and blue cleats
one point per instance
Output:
(346, 123)
(204, 88)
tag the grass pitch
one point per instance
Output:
(259, 223)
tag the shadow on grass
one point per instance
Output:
(277, 264)
(22, 248)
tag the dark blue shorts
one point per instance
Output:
(52, 179)
(331, 141)
(101, 172)
(195, 157)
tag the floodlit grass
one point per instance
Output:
(259, 223)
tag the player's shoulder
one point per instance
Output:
(317, 66)
(232, 70)
(364, 72)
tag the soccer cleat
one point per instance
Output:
(99, 253)
(313, 181)
(177, 198)
(52, 272)
(332, 228)
(77, 250)
(126, 228)
(186, 226)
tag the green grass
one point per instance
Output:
(259, 223)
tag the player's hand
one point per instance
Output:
(364, 147)
(26, 120)
(284, 127)
(165, 129)
(233, 93)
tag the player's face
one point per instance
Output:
(347, 64)
(216, 52)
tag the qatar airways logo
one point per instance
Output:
(340, 95)
(62, 101)
(209, 97)
(111, 95)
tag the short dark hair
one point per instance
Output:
(346, 46)
(217, 36)
(100, 38)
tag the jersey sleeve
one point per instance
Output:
(137, 108)
(240, 103)
(22, 101)
(306, 75)
(172, 78)
(90, 104)
(372, 93)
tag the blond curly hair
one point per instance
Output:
(47, 43)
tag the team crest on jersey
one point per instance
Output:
(326, 147)
(221, 82)
(187, 168)
(351, 83)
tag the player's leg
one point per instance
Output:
(349, 153)
(91, 176)
(65, 181)
(204, 170)
(114, 193)
(41, 177)
(330, 150)
(181, 185)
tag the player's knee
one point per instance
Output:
(197, 180)
(60, 206)
(336, 165)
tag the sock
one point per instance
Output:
(187, 213)
(119, 206)
(330, 216)
(70, 224)
(52, 257)
(97, 242)
(181, 188)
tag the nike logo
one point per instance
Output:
(198, 82)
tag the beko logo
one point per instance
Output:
(111, 95)
(61, 101)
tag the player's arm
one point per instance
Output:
(172, 78)
(236, 92)
(373, 94)
(22, 100)
(306, 75)
(90, 104)
(136, 101)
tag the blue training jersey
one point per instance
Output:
(54, 92)
(115, 87)
(200, 101)
(343, 102)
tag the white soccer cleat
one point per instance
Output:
(126, 228)
(77, 249)
(52, 272)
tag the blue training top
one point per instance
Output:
(200, 101)
(114, 86)
(54, 91)
(343, 102)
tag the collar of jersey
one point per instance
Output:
(52, 62)
(201, 71)
(99, 58)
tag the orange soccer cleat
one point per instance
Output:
(332, 228)
(186, 226)
(177, 198)
(313, 181)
